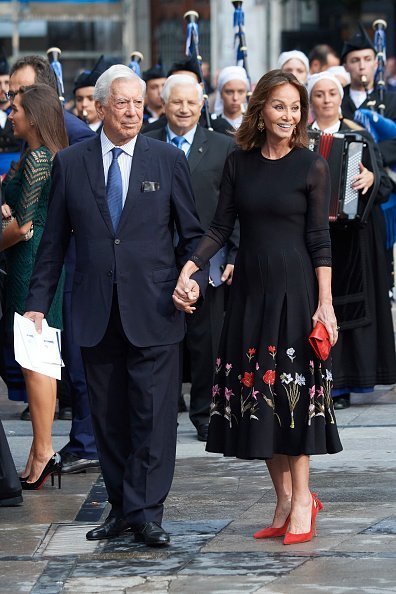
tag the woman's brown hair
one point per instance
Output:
(248, 136)
(44, 110)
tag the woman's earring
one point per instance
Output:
(260, 124)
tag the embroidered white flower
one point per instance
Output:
(299, 380)
(329, 375)
(286, 378)
(291, 354)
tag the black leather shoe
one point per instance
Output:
(14, 501)
(202, 432)
(25, 415)
(72, 464)
(65, 413)
(152, 534)
(182, 406)
(111, 528)
(341, 402)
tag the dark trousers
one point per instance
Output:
(133, 394)
(81, 439)
(202, 341)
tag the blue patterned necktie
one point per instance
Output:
(114, 188)
(178, 141)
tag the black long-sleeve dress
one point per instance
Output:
(270, 394)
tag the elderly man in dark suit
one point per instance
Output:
(123, 195)
(206, 152)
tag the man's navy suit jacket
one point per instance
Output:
(141, 251)
(77, 131)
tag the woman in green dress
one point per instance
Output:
(37, 118)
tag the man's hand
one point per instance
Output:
(186, 293)
(36, 317)
(228, 273)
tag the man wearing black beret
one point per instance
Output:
(155, 79)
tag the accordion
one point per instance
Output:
(343, 151)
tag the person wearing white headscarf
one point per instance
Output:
(296, 63)
(360, 361)
(232, 88)
(339, 72)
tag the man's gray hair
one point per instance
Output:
(182, 80)
(105, 80)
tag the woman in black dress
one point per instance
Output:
(365, 352)
(271, 396)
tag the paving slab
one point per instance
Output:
(213, 509)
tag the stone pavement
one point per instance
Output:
(213, 509)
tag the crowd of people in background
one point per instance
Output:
(248, 321)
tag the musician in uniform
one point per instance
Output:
(364, 355)
(231, 95)
(84, 86)
(155, 79)
(206, 154)
(359, 59)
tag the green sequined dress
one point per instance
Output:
(27, 195)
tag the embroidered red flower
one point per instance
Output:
(252, 351)
(248, 379)
(269, 377)
(272, 351)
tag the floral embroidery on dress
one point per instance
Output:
(293, 391)
(327, 385)
(251, 397)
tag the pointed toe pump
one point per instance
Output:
(291, 538)
(53, 467)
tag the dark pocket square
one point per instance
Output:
(150, 186)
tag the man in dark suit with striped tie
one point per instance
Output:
(206, 152)
(123, 194)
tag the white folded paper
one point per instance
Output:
(38, 352)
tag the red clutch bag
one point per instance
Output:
(320, 341)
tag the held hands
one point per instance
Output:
(186, 293)
(36, 317)
(364, 180)
(325, 314)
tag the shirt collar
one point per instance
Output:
(189, 136)
(331, 130)
(107, 145)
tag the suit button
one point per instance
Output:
(109, 273)
(117, 241)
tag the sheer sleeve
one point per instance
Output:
(224, 219)
(36, 172)
(317, 220)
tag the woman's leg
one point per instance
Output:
(301, 502)
(41, 391)
(26, 472)
(279, 470)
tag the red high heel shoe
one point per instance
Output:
(318, 501)
(291, 538)
(271, 532)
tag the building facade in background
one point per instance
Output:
(85, 29)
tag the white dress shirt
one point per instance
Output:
(189, 136)
(124, 160)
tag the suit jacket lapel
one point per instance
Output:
(94, 165)
(137, 176)
(198, 148)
